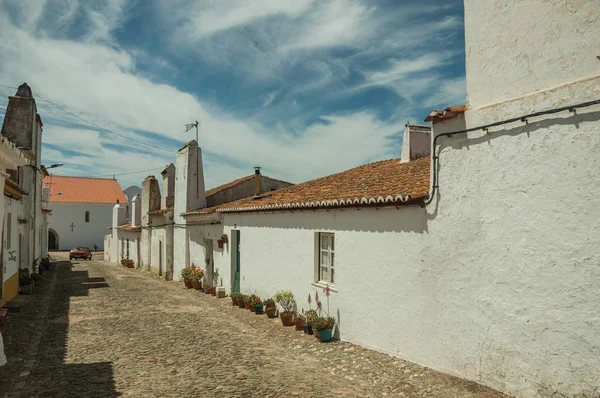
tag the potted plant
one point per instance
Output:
(196, 276)
(235, 296)
(242, 301)
(25, 281)
(186, 277)
(270, 307)
(324, 327)
(251, 300)
(285, 298)
(215, 280)
(299, 321)
(311, 316)
(258, 306)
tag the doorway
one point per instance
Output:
(208, 259)
(235, 262)
(52, 239)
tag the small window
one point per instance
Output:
(8, 230)
(273, 189)
(87, 216)
(326, 258)
(128, 249)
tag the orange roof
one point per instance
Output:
(383, 183)
(84, 190)
(448, 113)
(228, 185)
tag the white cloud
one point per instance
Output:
(99, 80)
(208, 17)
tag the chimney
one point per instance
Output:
(168, 194)
(189, 179)
(257, 177)
(150, 197)
(119, 216)
(20, 118)
(136, 211)
(416, 142)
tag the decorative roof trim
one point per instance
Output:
(160, 211)
(321, 204)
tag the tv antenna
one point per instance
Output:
(190, 126)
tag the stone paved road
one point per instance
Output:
(112, 331)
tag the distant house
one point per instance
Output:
(81, 210)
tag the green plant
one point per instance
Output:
(285, 298)
(245, 298)
(311, 316)
(215, 277)
(236, 295)
(323, 323)
(186, 274)
(255, 300)
(269, 303)
(95, 247)
(300, 318)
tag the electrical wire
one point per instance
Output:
(524, 119)
(93, 124)
(129, 173)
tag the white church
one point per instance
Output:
(81, 210)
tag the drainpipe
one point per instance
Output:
(256, 183)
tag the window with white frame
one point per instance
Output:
(326, 260)
(87, 216)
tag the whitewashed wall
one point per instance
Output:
(84, 234)
(516, 48)
(161, 237)
(377, 269)
(199, 249)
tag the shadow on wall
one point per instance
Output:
(461, 141)
(407, 218)
(50, 376)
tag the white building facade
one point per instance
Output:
(82, 210)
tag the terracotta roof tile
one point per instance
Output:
(387, 182)
(84, 190)
(448, 113)
(127, 227)
(230, 184)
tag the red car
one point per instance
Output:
(80, 252)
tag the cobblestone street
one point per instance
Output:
(112, 331)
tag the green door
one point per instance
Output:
(236, 284)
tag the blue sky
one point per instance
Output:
(303, 88)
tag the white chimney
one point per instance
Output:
(168, 193)
(189, 181)
(119, 216)
(136, 211)
(416, 142)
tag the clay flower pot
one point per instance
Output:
(197, 285)
(271, 312)
(188, 284)
(206, 290)
(299, 324)
(241, 304)
(234, 301)
(287, 319)
(213, 291)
